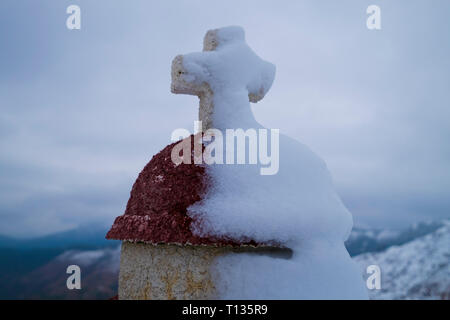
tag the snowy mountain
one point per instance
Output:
(414, 264)
(369, 240)
(419, 269)
(99, 270)
(36, 268)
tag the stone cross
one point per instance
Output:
(256, 79)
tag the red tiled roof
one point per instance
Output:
(157, 209)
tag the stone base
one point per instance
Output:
(152, 272)
(160, 272)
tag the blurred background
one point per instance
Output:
(82, 112)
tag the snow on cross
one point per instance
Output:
(226, 71)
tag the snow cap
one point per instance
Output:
(255, 74)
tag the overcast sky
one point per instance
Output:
(82, 111)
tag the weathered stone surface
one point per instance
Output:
(154, 272)
(160, 272)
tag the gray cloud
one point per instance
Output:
(83, 111)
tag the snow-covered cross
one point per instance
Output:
(225, 77)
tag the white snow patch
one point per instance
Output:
(297, 207)
(108, 257)
(419, 269)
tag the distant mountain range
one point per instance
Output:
(363, 240)
(24, 262)
(99, 274)
(84, 237)
(414, 262)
